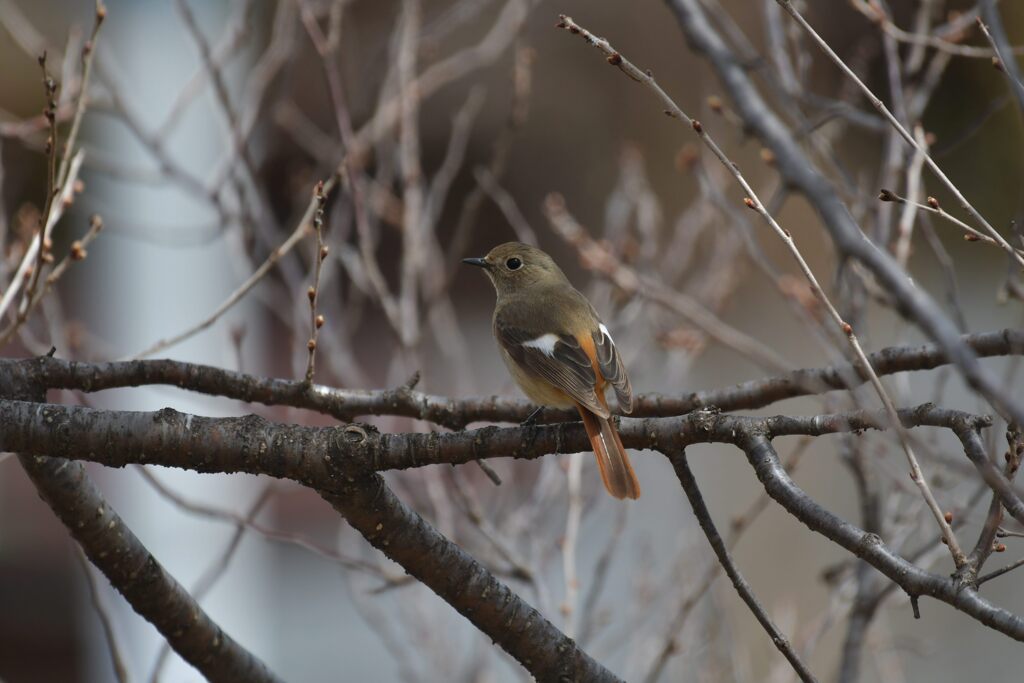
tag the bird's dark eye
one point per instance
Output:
(513, 263)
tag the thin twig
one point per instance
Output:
(116, 660)
(66, 194)
(301, 230)
(932, 206)
(788, 6)
(316, 320)
(996, 36)
(77, 252)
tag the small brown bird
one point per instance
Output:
(559, 352)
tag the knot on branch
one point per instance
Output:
(353, 451)
(868, 542)
(966, 577)
(705, 419)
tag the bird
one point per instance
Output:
(559, 352)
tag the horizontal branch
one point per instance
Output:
(346, 404)
(305, 454)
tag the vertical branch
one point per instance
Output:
(413, 244)
(316, 321)
(43, 236)
(116, 661)
(83, 94)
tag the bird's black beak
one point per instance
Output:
(476, 262)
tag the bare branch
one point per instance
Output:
(703, 515)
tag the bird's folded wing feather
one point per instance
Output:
(556, 358)
(610, 364)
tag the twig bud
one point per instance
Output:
(768, 156)
(847, 328)
(971, 237)
(750, 203)
(323, 252)
(933, 202)
(311, 345)
(948, 517)
(697, 126)
(319, 321)
(78, 251)
(1000, 547)
(886, 195)
(715, 104)
(615, 59)
(311, 293)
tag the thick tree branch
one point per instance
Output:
(305, 454)
(112, 547)
(405, 537)
(137, 575)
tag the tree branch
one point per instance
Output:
(703, 515)
(345, 404)
(405, 537)
(137, 575)
(915, 581)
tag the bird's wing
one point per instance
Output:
(558, 358)
(609, 362)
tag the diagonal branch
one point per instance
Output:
(112, 547)
(915, 581)
(700, 510)
(492, 607)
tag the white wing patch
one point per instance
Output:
(605, 332)
(544, 343)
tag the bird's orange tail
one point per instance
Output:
(616, 470)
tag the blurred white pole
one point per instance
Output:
(136, 291)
